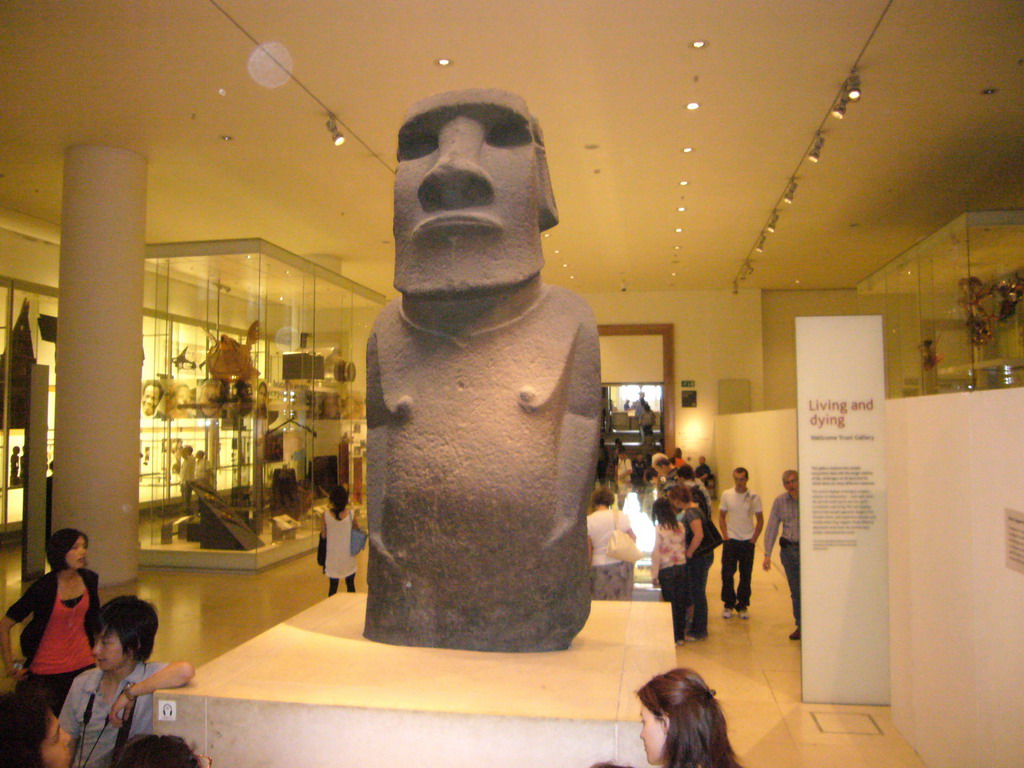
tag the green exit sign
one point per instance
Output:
(688, 383)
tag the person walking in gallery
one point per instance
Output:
(707, 478)
(694, 521)
(741, 520)
(336, 529)
(683, 723)
(786, 514)
(623, 475)
(108, 705)
(203, 476)
(697, 489)
(610, 579)
(64, 605)
(187, 476)
(668, 564)
(667, 476)
(29, 731)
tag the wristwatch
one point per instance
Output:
(128, 692)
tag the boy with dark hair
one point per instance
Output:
(108, 704)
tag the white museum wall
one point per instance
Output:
(27, 258)
(764, 443)
(779, 309)
(956, 610)
(631, 359)
(717, 336)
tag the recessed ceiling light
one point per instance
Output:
(797, 282)
(989, 91)
(698, 44)
(692, 106)
(572, 277)
(565, 265)
(557, 251)
(683, 183)
(680, 209)
(443, 62)
(687, 150)
(222, 92)
(547, 234)
(679, 229)
(673, 274)
(675, 247)
(225, 137)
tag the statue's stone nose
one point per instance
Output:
(457, 179)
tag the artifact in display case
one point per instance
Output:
(224, 527)
(246, 348)
(950, 303)
(21, 356)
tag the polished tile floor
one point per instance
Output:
(752, 664)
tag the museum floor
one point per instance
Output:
(752, 664)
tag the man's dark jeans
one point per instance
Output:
(790, 556)
(737, 553)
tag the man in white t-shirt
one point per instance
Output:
(741, 520)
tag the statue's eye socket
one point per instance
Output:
(509, 134)
(416, 145)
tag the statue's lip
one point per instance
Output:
(456, 222)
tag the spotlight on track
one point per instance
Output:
(336, 135)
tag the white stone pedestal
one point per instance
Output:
(313, 692)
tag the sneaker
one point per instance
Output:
(727, 613)
(680, 642)
(743, 613)
(795, 635)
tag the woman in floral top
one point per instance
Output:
(668, 565)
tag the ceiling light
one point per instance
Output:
(839, 110)
(852, 87)
(692, 106)
(698, 44)
(679, 229)
(680, 209)
(225, 137)
(989, 91)
(772, 222)
(788, 197)
(760, 245)
(815, 154)
(332, 128)
(683, 183)
(565, 265)
(443, 62)
(687, 150)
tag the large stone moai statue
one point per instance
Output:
(483, 396)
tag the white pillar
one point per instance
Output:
(99, 355)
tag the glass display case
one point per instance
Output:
(953, 320)
(28, 332)
(252, 402)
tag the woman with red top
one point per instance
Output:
(64, 605)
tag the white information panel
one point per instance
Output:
(843, 542)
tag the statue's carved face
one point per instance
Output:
(471, 198)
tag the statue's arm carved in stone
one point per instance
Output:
(581, 426)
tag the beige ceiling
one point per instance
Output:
(609, 81)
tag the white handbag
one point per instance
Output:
(621, 545)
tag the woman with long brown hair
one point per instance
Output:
(683, 724)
